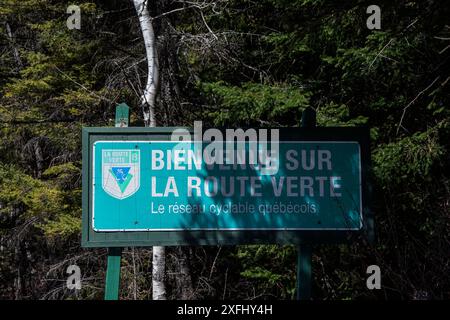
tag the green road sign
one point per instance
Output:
(141, 189)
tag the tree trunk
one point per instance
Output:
(14, 48)
(158, 270)
(39, 158)
(148, 109)
(171, 113)
(184, 279)
(151, 88)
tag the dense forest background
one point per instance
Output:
(235, 63)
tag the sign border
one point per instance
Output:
(228, 229)
(151, 237)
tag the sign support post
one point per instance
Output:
(112, 282)
(304, 252)
(304, 259)
(113, 274)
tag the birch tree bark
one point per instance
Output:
(148, 102)
(14, 48)
(148, 99)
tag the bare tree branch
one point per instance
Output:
(414, 100)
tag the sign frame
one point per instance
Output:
(90, 238)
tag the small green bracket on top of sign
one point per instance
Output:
(122, 115)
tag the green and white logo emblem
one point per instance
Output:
(120, 172)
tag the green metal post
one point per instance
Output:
(304, 257)
(112, 282)
(122, 115)
(113, 274)
(304, 252)
(309, 118)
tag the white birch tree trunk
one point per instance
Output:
(151, 88)
(148, 102)
(15, 50)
